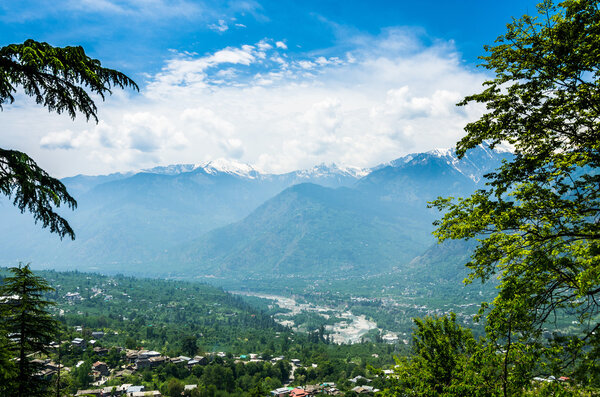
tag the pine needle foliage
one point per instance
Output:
(27, 326)
(62, 80)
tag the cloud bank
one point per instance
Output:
(384, 97)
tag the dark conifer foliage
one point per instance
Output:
(27, 325)
(59, 79)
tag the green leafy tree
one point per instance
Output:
(189, 345)
(80, 376)
(59, 79)
(447, 360)
(174, 388)
(28, 326)
(538, 221)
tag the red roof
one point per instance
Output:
(298, 392)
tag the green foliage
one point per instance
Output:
(447, 360)
(537, 223)
(58, 79)
(174, 388)
(26, 325)
(190, 345)
(8, 369)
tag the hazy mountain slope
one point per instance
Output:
(124, 220)
(380, 223)
(308, 229)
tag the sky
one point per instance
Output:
(280, 85)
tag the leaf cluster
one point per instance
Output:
(538, 220)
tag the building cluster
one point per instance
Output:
(137, 360)
(306, 391)
(125, 390)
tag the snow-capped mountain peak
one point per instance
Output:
(475, 163)
(232, 167)
(323, 169)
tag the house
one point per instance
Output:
(132, 355)
(390, 338)
(78, 342)
(360, 378)
(148, 354)
(101, 367)
(189, 387)
(313, 389)
(298, 392)
(157, 360)
(134, 389)
(73, 296)
(101, 351)
(281, 392)
(97, 334)
(151, 393)
(295, 361)
(115, 390)
(201, 360)
(123, 373)
(142, 363)
(275, 359)
(180, 360)
(46, 373)
(364, 390)
(94, 392)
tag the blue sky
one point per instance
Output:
(278, 84)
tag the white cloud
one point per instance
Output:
(264, 46)
(220, 27)
(304, 64)
(387, 97)
(233, 147)
(281, 44)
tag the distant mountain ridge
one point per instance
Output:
(227, 219)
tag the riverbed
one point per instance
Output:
(350, 330)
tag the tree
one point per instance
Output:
(58, 79)
(27, 324)
(189, 345)
(446, 360)
(174, 388)
(7, 367)
(538, 222)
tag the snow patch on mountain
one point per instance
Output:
(231, 167)
(474, 164)
(324, 170)
(173, 169)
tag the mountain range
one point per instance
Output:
(225, 219)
